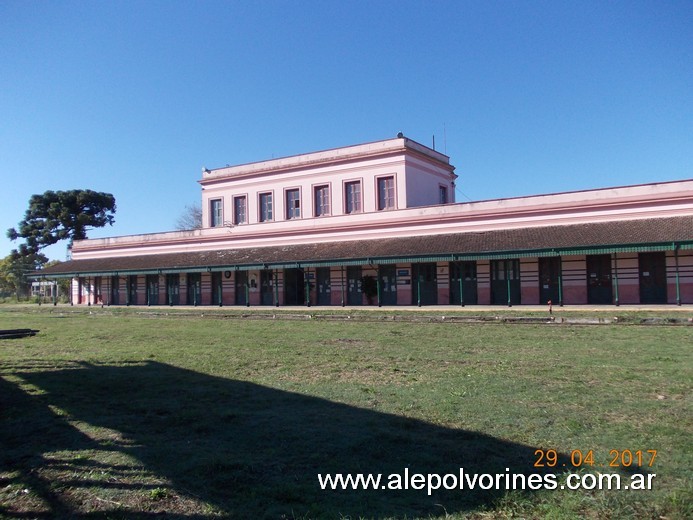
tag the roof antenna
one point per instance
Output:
(434, 142)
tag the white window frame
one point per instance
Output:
(387, 197)
(289, 210)
(216, 215)
(321, 203)
(265, 210)
(236, 220)
(358, 199)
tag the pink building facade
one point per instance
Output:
(377, 224)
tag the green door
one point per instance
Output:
(194, 289)
(132, 290)
(387, 275)
(152, 289)
(354, 292)
(241, 286)
(216, 289)
(424, 282)
(115, 290)
(463, 286)
(599, 286)
(294, 287)
(322, 281)
(266, 287)
(173, 289)
(653, 277)
(505, 282)
(550, 280)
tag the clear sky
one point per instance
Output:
(526, 97)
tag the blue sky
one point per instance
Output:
(135, 97)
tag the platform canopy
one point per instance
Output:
(642, 235)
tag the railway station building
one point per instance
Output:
(378, 224)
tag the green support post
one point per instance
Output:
(377, 286)
(678, 284)
(460, 276)
(306, 283)
(560, 290)
(276, 288)
(616, 301)
(343, 300)
(418, 287)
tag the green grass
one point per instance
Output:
(126, 413)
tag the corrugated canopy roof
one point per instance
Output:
(601, 237)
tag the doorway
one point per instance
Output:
(505, 282)
(550, 280)
(424, 284)
(463, 286)
(653, 277)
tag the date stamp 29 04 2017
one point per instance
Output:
(627, 458)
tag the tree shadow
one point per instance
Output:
(246, 450)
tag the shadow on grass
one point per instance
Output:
(243, 449)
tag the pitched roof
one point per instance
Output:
(600, 237)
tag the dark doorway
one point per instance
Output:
(132, 290)
(173, 289)
(152, 289)
(653, 277)
(324, 290)
(463, 287)
(294, 287)
(266, 287)
(194, 293)
(241, 285)
(115, 290)
(424, 282)
(98, 295)
(354, 291)
(505, 282)
(387, 275)
(216, 289)
(599, 286)
(550, 280)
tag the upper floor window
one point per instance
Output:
(386, 193)
(322, 201)
(352, 196)
(293, 204)
(443, 194)
(240, 208)
(266, 210)
(215, 213)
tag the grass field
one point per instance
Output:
(124, 414)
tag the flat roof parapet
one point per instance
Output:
(361, 151)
